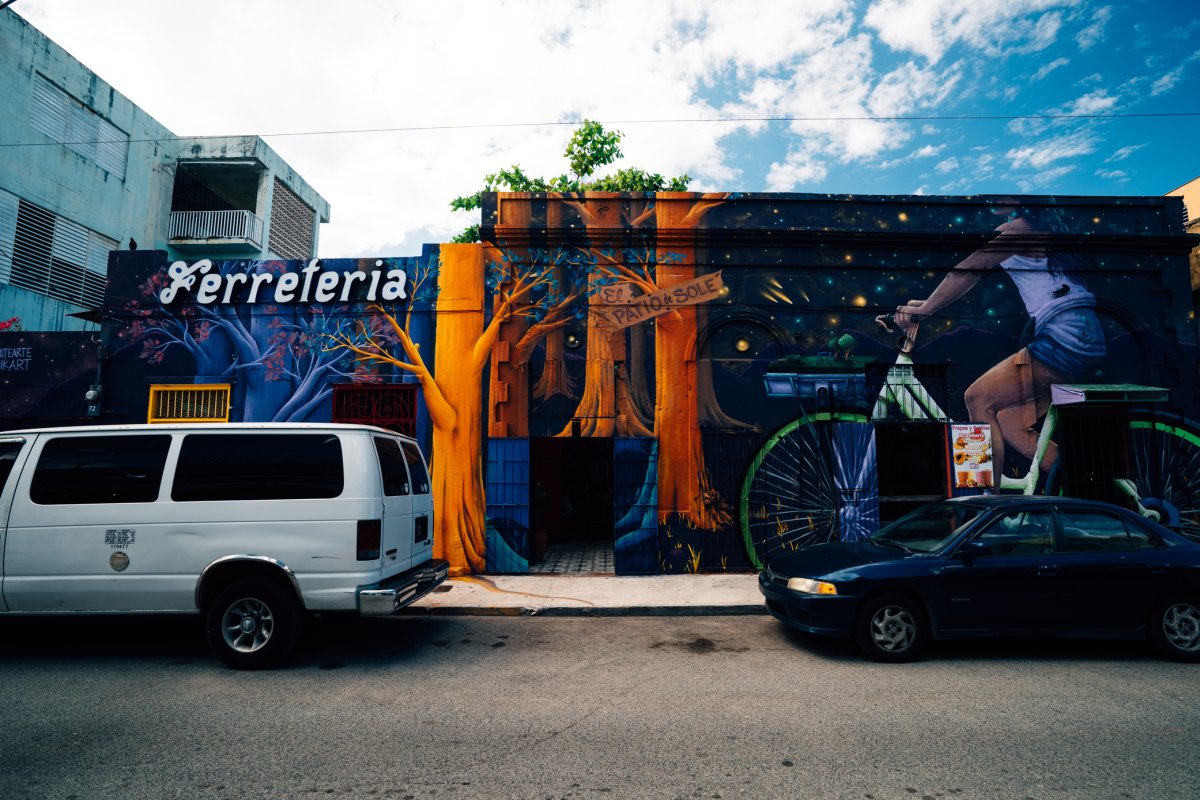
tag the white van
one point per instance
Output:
(251, 525)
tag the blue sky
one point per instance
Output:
(300, 66)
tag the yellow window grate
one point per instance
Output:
(189, 402)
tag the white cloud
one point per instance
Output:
(1125, 152)
(1040, 155)
(1044, 178)
(1096, 102)
(1091, 35)
(1166, 83)
(1113, 174)
(1049, 67)
(931, 27)
(800, 168)
(948, 165)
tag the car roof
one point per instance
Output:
(993, 500)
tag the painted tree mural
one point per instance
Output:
(274, 350)
(453, 386)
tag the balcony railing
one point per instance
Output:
(236, 225)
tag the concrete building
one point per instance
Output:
(84, 171)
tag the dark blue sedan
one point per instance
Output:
(988, 566)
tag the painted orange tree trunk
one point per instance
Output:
(462, 352)
(606, 407)
(684, 488)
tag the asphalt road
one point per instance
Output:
(689, 707)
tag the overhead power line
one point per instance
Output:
(669, 121)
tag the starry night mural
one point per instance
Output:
(811, 398)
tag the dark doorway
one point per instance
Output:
(913, 466)
(571, 505)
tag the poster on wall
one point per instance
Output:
(972, 454)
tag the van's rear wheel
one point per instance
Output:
(253, 624)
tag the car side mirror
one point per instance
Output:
(972, 549)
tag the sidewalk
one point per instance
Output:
(593, 595)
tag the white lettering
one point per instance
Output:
(231, 283)
(257, 281)
(284, 287)
(182, 277)
(309, 271)
(308, 284)
(394, 288)
(327, 286)
(374, 286)
(210, 285)
(349, 280)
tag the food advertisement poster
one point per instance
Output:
(972, 454)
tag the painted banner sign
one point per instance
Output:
(623, 309)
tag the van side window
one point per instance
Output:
(8, 457)
(416, 466)
(391, 467)
(99, 469)
(290, 466)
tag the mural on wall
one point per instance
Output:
(865, 320)
(264, 326)
(44, 376)
(739, 374)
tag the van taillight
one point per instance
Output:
(370, 533)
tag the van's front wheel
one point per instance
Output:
(253, 624)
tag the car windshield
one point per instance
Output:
(929, 528)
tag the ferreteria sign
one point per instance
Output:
(623, 309)
(310, 284)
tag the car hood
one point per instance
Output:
(826, 559)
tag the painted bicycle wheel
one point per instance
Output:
(1165, 455)
(812, 482)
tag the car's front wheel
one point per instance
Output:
(253, 623)
(1175, 629)
(892, 628)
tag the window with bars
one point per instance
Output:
(53, 256)
(69, 122)
(190, 402)
(392, 406)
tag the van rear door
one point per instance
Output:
(422, 503)
(397, 537)
(11, 458)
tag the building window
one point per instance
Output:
(53, 256)
(191, 402)
(69, 122)
(292, 223)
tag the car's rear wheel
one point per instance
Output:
(253, 623)
(892, 628)
(1175, 629)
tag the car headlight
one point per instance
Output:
(810, 586)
